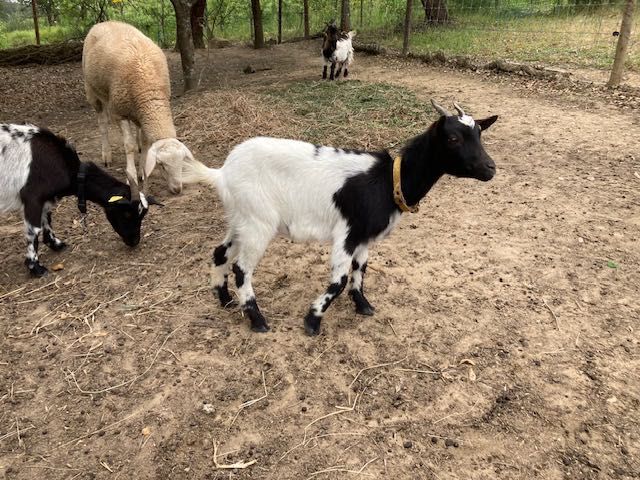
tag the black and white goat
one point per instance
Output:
(337, 49)
(349, 198)
(37, 168)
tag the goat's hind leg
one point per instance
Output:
(223, 256)
(48, 237)
(332, 74)
(359, 267)
(340, 260)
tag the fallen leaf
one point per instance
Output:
(57, 267)
(467, 361)
(146, 431)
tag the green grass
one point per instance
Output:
(377, 112)
(19, 38)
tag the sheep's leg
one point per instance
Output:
(48, 237)
(129, 148)
(250, 252)
(340, 261)
(359, 267)
(103, 123)
(143, 144)
(333, 69)
(32, 223)
(223, 255)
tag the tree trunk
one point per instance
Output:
(258, 35)
(345, 19)
(305, 14)
(184, 39)
(436, 11)
(407, 27)
(197, 23)
(623, 42)
(34, 8)
(279, 21)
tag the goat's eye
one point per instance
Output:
(453, 139)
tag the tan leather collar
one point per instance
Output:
(397, 189)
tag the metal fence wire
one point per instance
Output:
(553, 32)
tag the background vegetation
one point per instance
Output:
(579, 32)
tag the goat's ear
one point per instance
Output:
(352, 34)
(151, 161)
(485, 123)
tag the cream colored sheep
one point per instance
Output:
(126, 79)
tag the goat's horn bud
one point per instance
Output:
(133, 185)
(439, 108)
(459, 109)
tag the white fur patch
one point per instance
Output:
(143, 202)
(15, 161)
(467, 120)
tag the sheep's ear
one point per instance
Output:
(485, 123)
(151, 161)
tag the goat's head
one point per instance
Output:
(125, 214)
(459, 146)
(169, 154)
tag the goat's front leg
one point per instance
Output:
(130, 147)
(48, 237)
(324, 72)
(340, 261)
(339, 71)
(333, 69)
(359, 267)
(32, 225)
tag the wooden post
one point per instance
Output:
(345, 17)
(623, 43)
(407, 27)
(279, 21)
(34, 8)
(305, 13)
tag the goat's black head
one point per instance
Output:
(126, 214)
(459, 146)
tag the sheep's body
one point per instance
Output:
(37, 168)
(309, 192)
(337, 51)
(126, 80)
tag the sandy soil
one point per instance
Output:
(505, 343)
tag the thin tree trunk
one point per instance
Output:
(305, 14)
(34, 9)
(623, 43)
(184, 39)
(407, 27)
(258, 35)
(197, 23)
(345, 19)
(279, 21)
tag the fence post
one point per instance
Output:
(305, 13)
(623, 42)
(279, 21)
(34, 8)
(407, 27)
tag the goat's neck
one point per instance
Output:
(100, 186)
(420, 167)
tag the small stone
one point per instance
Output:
(624, 450)
(434, 439)
(304, 409)
(407, 444)
(566, 460)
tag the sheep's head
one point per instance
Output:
(459, 145)
(169, 155)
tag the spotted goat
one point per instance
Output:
(38, 168)
(337, 50)
(312, 192)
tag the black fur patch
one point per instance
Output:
(312, 323)
(237, 271)
(258, 322)
(220, 255)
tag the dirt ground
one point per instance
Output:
(505, 342)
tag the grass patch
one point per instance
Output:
(19, 38)
(353, 113)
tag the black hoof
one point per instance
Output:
(226, 300)
(35, 269)
(57, 247)
(363, 307)
(312, 324)
(264, 328)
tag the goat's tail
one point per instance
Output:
(194, 171)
